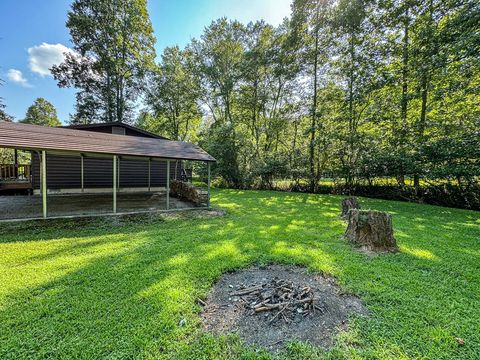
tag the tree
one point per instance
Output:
(3, 115)
(356, 73)
(114, 50)
(42, 113)
(173, 97)
(218, 57)
(311, 20)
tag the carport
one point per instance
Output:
(76, 145)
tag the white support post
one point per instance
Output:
(208, 184)
(168, 184)
(115, 184)
(82, 173)
(44, 183)
(149, 174)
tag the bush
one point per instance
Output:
(464, 197)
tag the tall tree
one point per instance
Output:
(219, 54)
(41, 112)
(355, 67)
(311, 23)
(114, 46)
(173, 97)
(3, 115)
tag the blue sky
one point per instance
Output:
(33, 36)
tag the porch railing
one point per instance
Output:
(12, 172)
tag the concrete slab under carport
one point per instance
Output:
(17, 207)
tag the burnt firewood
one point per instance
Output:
(284, 299)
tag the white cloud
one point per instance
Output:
(42, 57)
(16, 76)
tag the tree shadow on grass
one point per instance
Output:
(122, 292)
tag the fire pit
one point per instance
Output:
(268, 306)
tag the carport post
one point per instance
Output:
(208, 184)
(81, 172)
(168, 184)
(149, 173)
(114, 184)
(44, 183)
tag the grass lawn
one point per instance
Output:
(99, 289)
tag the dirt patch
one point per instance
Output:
(294, 304)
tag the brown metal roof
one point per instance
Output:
(34, 137)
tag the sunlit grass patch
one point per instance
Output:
(104, 289)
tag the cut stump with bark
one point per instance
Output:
(371, 230)
(347, 204)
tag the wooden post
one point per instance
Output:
(114, 184)
(149, 173)
(208, 184)
(168, 184)
(81, 173)
(44, 183)
(16, 164)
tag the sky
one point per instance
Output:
(33, 37)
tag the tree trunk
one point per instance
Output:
(351, 120)
(371, 230)
(404, 104)
(314, 113)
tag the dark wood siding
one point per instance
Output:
(107, 129)
(63, 172)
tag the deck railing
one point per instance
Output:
(12, 172)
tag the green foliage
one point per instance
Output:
(114, 50)
(173, 97)
(352, 90)
(42, 113)
(119, 288)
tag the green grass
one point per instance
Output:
(109, 289)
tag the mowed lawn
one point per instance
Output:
(109, 289)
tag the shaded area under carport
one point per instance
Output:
(28, 207)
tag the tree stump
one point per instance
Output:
(371, 230)
(347, 204)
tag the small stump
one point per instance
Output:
(347, 204)
(371, 230)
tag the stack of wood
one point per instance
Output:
(283, 299)
(188, 191)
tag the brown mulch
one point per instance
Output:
(269, 306)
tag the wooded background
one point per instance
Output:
(349, 92)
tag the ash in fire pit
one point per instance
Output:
(271, 305)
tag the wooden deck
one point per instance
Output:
(15, 185)
(15, 177)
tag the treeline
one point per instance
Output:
(351, 90)
(346, 89)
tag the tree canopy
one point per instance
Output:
(114, 50)
(350, 89)
(41, 112)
